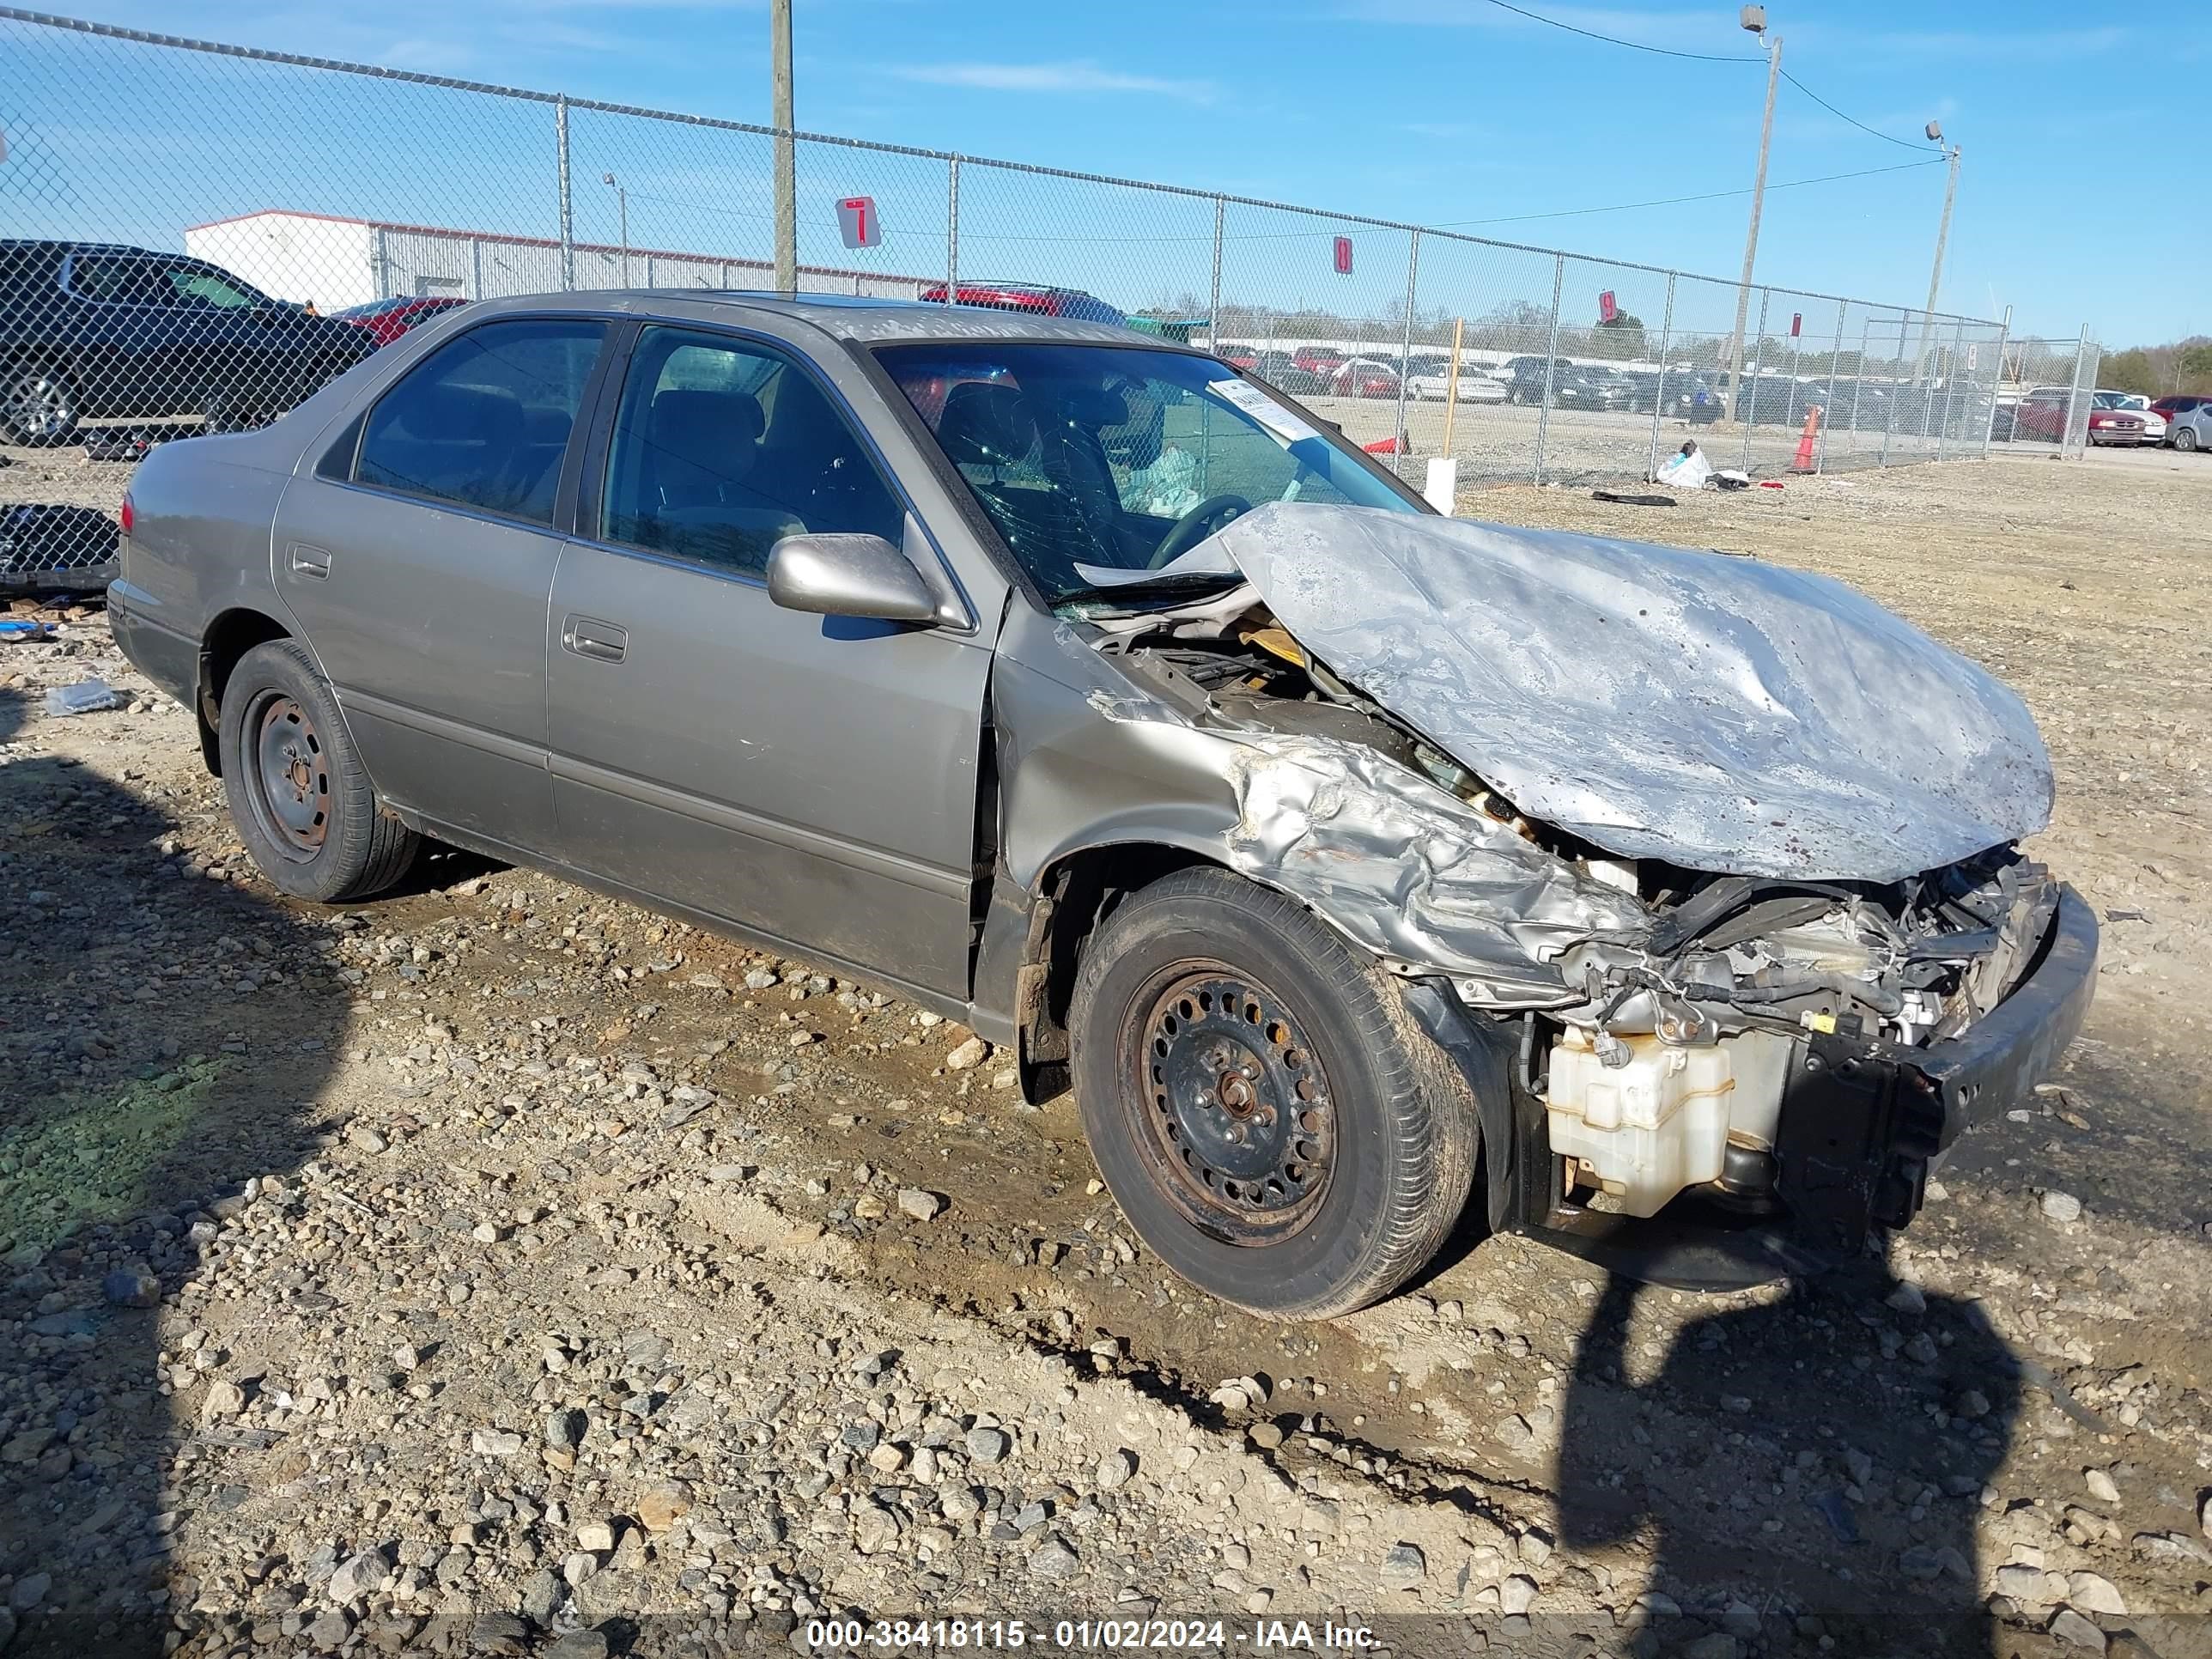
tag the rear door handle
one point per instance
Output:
(602, 642)
(307, 561)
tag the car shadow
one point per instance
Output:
(1801, 1463)
(164, 1040)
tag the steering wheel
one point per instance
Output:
(1185, 531)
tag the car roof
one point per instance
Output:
(858, 318)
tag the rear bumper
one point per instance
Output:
(164, 656)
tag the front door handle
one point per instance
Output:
(307, 561)
(602, 642)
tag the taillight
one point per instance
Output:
(130, 514)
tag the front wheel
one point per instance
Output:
(301, 803)
(1261, 1103)
(2185, 440)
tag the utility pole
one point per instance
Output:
(1942, 236)
(622, 203)
(787, 184)
(1755, 19)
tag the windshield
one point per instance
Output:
(1119, 457)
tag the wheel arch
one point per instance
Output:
(232, 633)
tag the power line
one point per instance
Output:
(1634, 45)
(1677, 201)
(1709, 57)
(1902, 143)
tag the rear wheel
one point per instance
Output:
(37, 405)
(1261, 1103)
(301, 803)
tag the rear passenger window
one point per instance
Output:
(484, 420)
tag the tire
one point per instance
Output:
(1293, 1216)
(303, 804)
(37, 405)
(2185, 440)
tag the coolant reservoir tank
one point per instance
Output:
(1646, 1129)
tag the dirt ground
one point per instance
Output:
(495, 1268)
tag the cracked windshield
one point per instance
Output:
(1101, 466)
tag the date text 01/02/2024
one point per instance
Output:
(1108, 1635)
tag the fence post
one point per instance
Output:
(380, 263)
(2073, 397)
(1951, 384)
(476, 268)
(1213, 300)
(1996, 381)
(1750, 420)
(1406, 343)
(1659, 398)
(568, 213)
(952, 230)
(1927, 401)
(1889, 415)
(1858, 380)
(1828, 405)
(1551, 360)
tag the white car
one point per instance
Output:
(1474, 386)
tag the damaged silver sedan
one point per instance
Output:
(1359, 868)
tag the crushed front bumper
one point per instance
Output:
(1864, 1122)
(1862, 1125)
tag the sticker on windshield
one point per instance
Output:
(1282, 422)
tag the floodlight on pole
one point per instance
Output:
(621, 205)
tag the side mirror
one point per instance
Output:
(861, 576)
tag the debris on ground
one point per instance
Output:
(91, 696)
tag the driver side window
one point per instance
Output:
(721, 448)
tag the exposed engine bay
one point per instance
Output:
(1660, 1014)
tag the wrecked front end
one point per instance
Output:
(1730, 975)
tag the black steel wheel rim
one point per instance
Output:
(1233, 1111)
(290, 778)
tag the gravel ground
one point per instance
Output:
(499, 1269)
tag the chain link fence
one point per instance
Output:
(209, 232)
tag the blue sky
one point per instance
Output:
(2074, 205)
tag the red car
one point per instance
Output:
(386, 320)
(1322, 360)
(1241, 356)
(2117, 426)
(1037, 297)
(1365, 378)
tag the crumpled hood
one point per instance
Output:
(1718, 713)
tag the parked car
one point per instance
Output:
(386, 320)
(1241, 356)
(1686, 394)
(1038, 299)
(91, 332)
(2132, 403)
(2112, 422)
(2039, 417)
(1066, 769)
(1431, 383)
(2171, 408)
(1573, 386)
(2190, 429)
(1364, 377)
(1317, 359)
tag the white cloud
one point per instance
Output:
(1081, 76)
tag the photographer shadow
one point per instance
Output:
(1803, 1467)
(164, 1040)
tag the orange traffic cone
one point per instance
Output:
(1804, 461)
